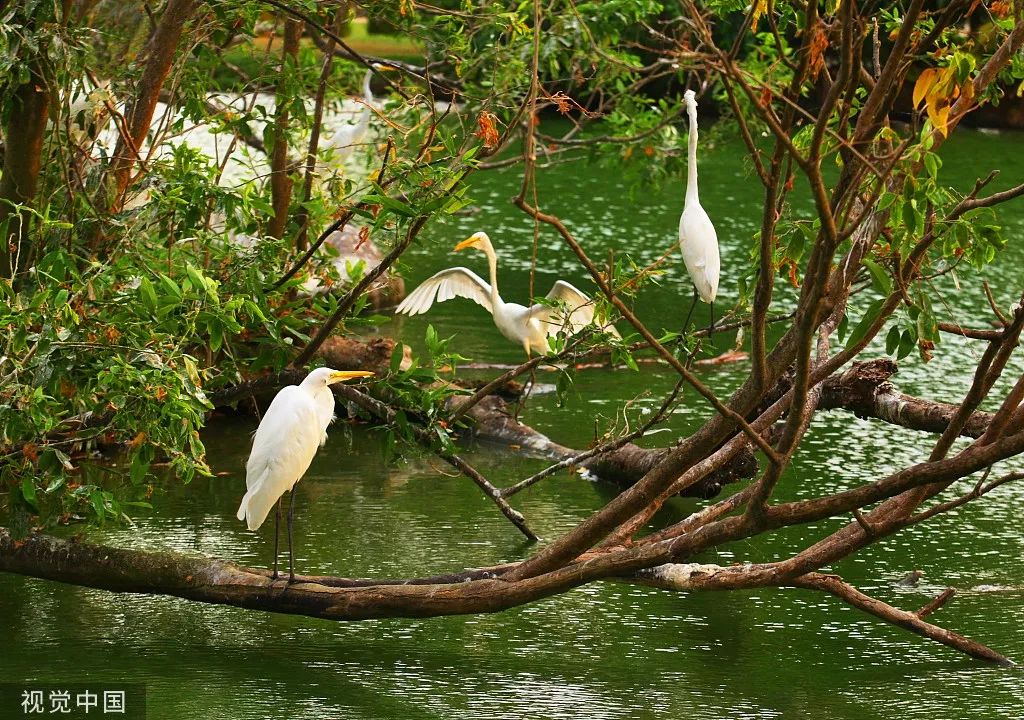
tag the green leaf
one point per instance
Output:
(96, 497)
(28, 491)
(198, 281)
(907, 342)
(148, 294)
(882, 281)
(892, 340)
(171, 287)
(862, 327)
(216, 336)
(397, 354)
(396, 206)
(140, 464)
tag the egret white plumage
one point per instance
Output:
(528, 327)
(697, 238)
(283, 446)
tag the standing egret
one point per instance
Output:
(284, 444)
(697, 237)
(528, 327)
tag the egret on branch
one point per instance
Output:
(528, 327)
(697, 238)
(284, 444)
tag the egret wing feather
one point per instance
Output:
(445, 285)
(580, 310)
(282, 450)
(699, 244)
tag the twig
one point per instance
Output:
(425, 438)
(992, 304)
(937, 603)
(599, 450)
(901, 618)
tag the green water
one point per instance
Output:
(602, 651)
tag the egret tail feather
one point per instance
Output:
(255, 505)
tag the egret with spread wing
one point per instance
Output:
(284, 444)
(697, 237)
(528, 327)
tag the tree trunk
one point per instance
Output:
(23, 135)
(160, 50)
(280, 181)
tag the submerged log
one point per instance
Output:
(862, 389)
(491, 422)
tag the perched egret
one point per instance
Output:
(284, 444)
(528, 327)
(697, 238)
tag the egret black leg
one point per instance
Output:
(277, 525)
(711, 327)
(689, 314)
(291, 551)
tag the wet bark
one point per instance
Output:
(864, 389)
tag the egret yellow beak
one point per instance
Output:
(380, 67)
(468, 242)
(341, 375)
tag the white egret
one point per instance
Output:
(697, 237)
(347, 138)
(284, 444)
(528, 327)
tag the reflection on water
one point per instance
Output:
(603, 651)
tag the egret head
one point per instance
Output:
(690, 99)
(322, 377)
(478, 240)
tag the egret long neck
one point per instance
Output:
(492, 266)
(367, 95)
(691, 164)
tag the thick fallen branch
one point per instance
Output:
(217, 581)
(865, 391)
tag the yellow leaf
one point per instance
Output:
(967, 90)
(759, 9)
(939, 117)
(924, 83)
